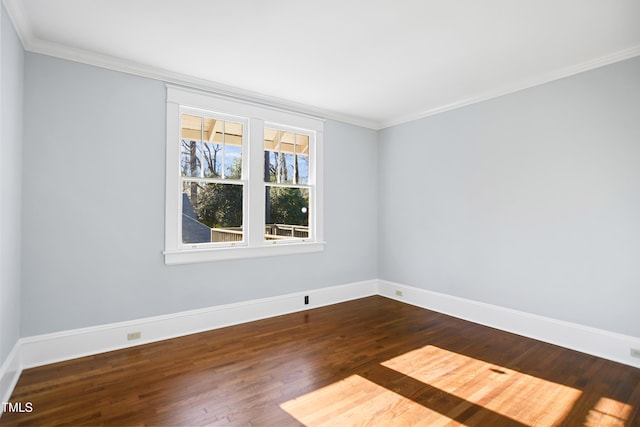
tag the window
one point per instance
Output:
(287, 192)
(211, 175)
(242, 180)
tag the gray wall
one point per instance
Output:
(11, 85)
(93, 225)
(529, 201)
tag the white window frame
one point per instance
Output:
(256, 115)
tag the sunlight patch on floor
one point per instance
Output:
(504, 391)
(358, 401)
(436, 387)
(608, 412)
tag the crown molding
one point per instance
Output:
(34, 44)
(18, 18)
(141, 70)
(612, 58)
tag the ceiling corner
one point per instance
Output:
(20, 21)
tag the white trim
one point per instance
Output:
(253, 117)
(31, 43)
(234, 107)
(316, 178)
(597, 342)
(56, 50)
(49, 348)
(185, 256)
(9, 373)
(517, 87)
(172, 213)
(19, 20)
(55, 347)
(256, 199)
(35, 45)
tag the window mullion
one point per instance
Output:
(256, 199)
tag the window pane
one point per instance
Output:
(201, 160)
(232, 138)
(286, 157)
(287, 168)
(233, 162)
(211, 212)
(287, 147)
(210, 148)
(286, 213)
(191, 137)
(270, 162)
(302, 159)
(191, 127)
(271, 154)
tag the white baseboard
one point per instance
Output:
(597, 342)
(9, 373)
(50, 348)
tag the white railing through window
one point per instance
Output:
(271, 232)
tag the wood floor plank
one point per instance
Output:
(372, 361)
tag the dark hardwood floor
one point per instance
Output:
(372, 361)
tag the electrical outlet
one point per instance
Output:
(399, 293)
(306, 299)
(134, 336)
(635, 352)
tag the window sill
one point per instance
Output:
(189, 256)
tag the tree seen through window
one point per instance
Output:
(211, 171)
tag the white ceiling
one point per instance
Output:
(369, 62)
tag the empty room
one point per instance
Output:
(330, 213)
